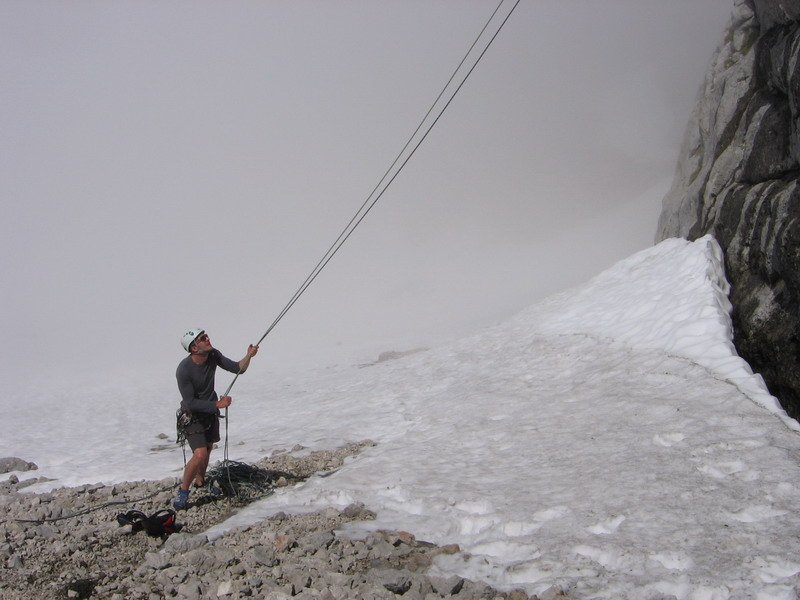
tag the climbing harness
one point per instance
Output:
(185, 418)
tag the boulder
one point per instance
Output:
(12, 463)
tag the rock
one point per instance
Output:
(277, 557)
(738, 179)
(404, 537)
(46, 532)
(355, 511)
(190, 590)
(225, 588)
(15, 562)
(157, 560)
(447, 586)
(554, 592)
(450, 549)
(396, 581)
(184, 542)
(284, 543)
(299, 581)
(776, 12)
(202, 559)
(340, 580)
(264, 555)
(316, 540)
(381, 549)
(476, 590)
(12, 463)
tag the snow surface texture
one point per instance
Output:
(607, 440)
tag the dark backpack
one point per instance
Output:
(159, 524)
(162, 523)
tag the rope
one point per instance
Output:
(226, 463)
(370, 202)
(372, 199)
(350, 227)
(246, 482)
(91, 509)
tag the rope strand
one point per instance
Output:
(362, 212)
(372, 199)
(344, 233)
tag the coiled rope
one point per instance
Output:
(247, 483)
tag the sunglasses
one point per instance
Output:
(202, 338)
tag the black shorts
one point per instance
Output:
(203, 431)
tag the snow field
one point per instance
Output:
(607, 440)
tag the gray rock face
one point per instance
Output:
(738, 178)
(776, 12)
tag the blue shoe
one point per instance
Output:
(182, 501)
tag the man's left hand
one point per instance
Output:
(252, 350)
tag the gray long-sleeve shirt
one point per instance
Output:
(196, 382)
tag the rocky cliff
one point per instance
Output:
(738, 178)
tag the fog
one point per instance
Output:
(172, 165)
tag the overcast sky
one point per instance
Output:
(167, 165)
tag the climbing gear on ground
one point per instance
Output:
(190, 336)
(162, 523)
(134, 518)
(246, 483)
(159, 524)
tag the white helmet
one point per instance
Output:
(190, 336)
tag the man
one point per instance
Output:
(200, 404)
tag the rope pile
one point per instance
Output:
(246, 483)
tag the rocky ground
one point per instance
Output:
(68, 543)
